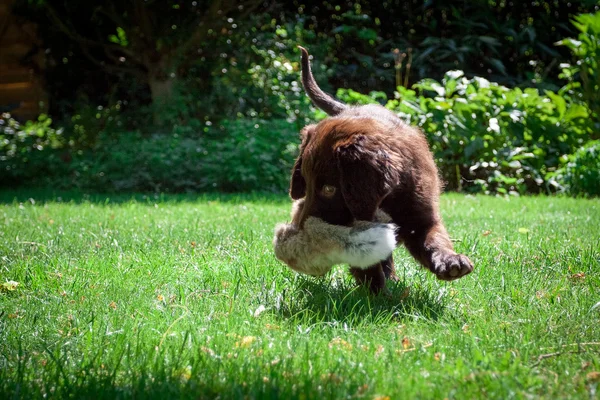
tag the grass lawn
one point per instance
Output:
(181, 297)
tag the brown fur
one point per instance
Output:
(374, 160)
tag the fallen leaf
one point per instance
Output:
(405, 293)
(379, 350)
(113, 305)
(541, 294)
(486, 233)
(246, 342)
(593, 376)
(331, 377)
(586, 364)
(405, 343)
(9, 286)
(577, 276)
(340, 344)
(207, 351)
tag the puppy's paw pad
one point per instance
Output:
(451, 266)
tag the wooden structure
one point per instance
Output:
(22, 62)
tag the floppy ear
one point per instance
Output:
(366, 176)
(297, 183)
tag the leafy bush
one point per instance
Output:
(486, 137)
(235, 156)
(18, 142)
(85, 127)
(584, 74)
(581, 173)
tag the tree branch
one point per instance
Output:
(215, 13)
(114, 69)
(83, 41)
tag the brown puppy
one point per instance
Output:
(364, 158)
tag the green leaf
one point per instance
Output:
(489, 40)
(559, 102)
(498, 65)
(576, 111)
(473, 147)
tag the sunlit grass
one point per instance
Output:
(181, 297)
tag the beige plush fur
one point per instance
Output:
(315, 249)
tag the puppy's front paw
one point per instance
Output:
(449, 266)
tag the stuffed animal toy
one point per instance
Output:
(316, 248)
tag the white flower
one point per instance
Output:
(493, 126)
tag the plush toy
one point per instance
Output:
(315, 249)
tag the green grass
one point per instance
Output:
(161, 297)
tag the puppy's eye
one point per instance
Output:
(328, 191)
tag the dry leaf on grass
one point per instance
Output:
(246, 342)
(405, 343)
(9, 286)
(340, 344)
(593, 376)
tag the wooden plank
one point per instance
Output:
(16, 86)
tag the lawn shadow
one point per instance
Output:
(166, 383)
(50, 195)
(341, 301)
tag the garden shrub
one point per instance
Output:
(21, 142)
(234, 156)
(486, 137)
(581, 173)
(584, 73)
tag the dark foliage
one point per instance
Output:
(195, 77)
(132, 51)
(244, 155)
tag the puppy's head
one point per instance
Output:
(343, 170)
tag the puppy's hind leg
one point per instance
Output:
(389, 269)
(372, 277)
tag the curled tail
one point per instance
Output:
(321, 99)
